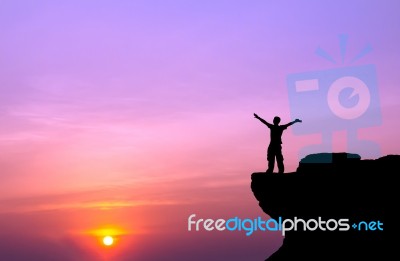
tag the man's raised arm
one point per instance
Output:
(291, 123)
(262, 120)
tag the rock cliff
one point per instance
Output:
(332, 186)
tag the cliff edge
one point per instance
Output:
(330, 186)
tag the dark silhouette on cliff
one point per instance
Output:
(275, 145)
(332, 186)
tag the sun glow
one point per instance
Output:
(107, 236)
(108, 240)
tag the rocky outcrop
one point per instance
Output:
(334, 186)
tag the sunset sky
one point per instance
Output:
(122, 118)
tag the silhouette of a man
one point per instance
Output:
(275, 145)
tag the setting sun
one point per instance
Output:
(108, 240)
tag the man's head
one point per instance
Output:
(277, 120)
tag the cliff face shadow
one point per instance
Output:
(343, 187)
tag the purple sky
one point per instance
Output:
(136, 114)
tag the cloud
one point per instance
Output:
(23, 247)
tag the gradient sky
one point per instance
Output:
(125, 117)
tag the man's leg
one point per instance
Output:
(279, 159)
(271, 159)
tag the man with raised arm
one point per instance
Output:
(275, 145)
